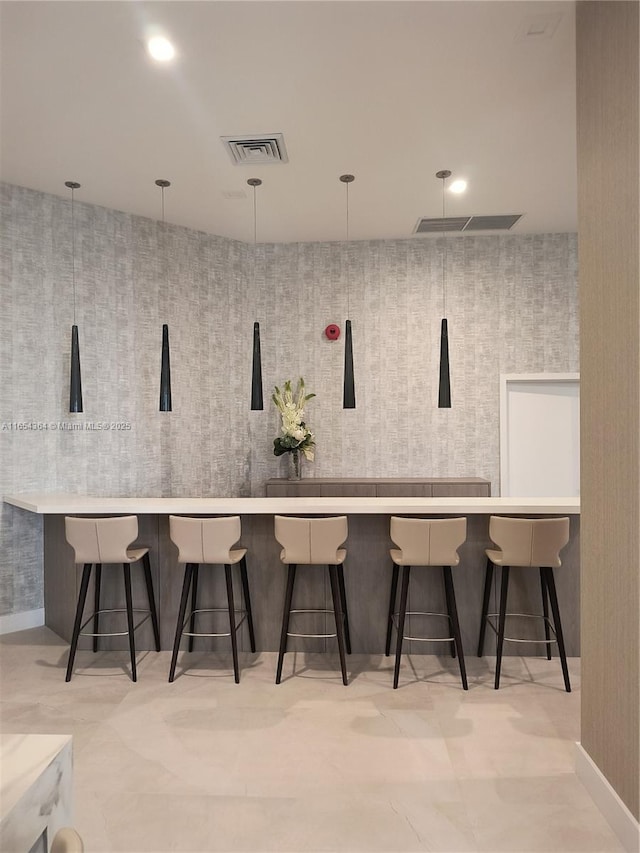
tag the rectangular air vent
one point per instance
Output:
(256, 150)
(492, 223)
(466, 223)
(440, 225)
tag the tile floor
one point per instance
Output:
(204, 764)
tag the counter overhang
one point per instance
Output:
(59, 504)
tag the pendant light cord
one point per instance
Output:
(163, 184)
(348, 266)
(347, 179)
(73, 186)
(73, 254)
(255, 237)
(255, 222)
(164, 241)
(444, 254)
(254, 183)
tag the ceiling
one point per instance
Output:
(388, 91)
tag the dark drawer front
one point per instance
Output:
(293, 490)
(348, 490)
(461, 490)
(404, 490)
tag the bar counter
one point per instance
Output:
(367, 566)
(58, 504)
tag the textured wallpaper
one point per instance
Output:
(511, 302)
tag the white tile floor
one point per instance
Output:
(204, 764)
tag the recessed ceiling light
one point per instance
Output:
(458, 186)
(161, 49)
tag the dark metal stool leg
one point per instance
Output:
(96, 605)
(448, 600)
(339, 617)
(404, 590)
(545, 610)
(132, 643)
(553, 599)
(343, 596)
(146, 565)
(194, 603)
(288, 597)
(247, 602)
(392, 604)
(82, 597)
(488, 578)
(188, 570)
(453, 615)
(232, 622)
(501, 622)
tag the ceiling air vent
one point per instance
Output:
(256, 150)
(467, 223)
(440, 225)
(492, 223)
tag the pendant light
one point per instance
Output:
(257, 403)
(75, 381)
(348, 386)
(165, 366)
(444, 386)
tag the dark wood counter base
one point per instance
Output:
(367, 580)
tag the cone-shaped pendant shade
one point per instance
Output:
(75, 386)
(444, 391)
(349, 390)
(165, 372)
(257, 403)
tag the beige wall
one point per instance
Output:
(608, 223)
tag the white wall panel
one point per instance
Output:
(540, 435)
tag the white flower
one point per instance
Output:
(295, 435)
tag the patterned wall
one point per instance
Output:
(511, 303)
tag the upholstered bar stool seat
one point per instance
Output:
(210, 541)
(101, 541)
(525, 542)
(314, 542)
(425, 542)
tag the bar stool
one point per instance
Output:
(209, 541)
(97, 541)
(425, 542)
(525, 542)
(311, 542)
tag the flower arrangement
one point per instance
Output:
(295, 437)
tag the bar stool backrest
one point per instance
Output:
(529, 541)
(311, 541)
(101, 540)
(428, 541)
(205, 540)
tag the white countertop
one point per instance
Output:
(60, 504)
(35, 788)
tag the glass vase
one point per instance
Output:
(295, 465)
